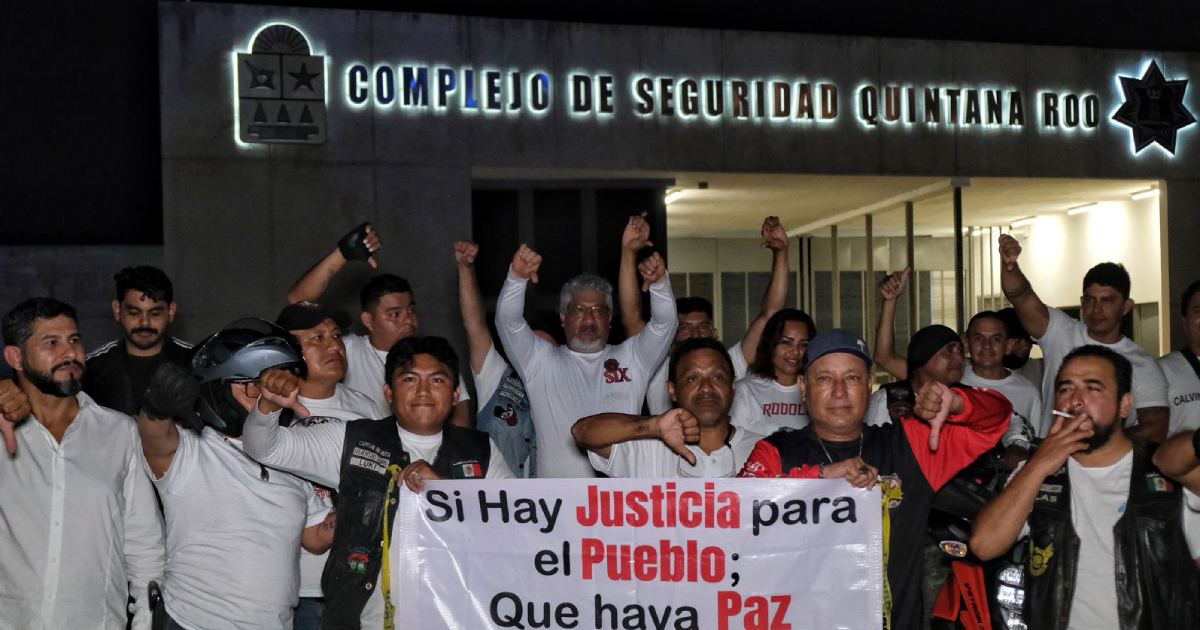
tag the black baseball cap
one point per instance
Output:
(833, 341)
(305, 315)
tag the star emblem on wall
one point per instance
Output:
(1153, 109)
(304, 78)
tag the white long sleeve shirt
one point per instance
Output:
(315, 452)
(77, 522)
(564, 386)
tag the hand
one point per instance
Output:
(677, 428)
(526, 263)
(935, 403)
(360, 243)
(415, 474)
(774, 237)
(14, 408)
(858, 472)
(280, 390)
(1067, 436)
(637, 234)
(465, 253)
(653, 270)
(893, 285)
(172, 393)
(1010, 250)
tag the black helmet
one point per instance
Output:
(241, 350)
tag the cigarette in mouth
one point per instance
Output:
(1062, 414)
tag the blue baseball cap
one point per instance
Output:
(833, 341)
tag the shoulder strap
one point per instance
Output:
(1192, 360)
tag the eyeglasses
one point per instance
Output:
(251, 386)
(579, 310)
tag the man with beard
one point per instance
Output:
(696, 313)
(79, 529)
(587, 375)
(119, 372)
(389, 313)
(696, 439)
(1018, 358)
(917, 453)
(327, 400)
(1107, 548)
(1105, 301)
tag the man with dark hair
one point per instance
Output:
(696, 313)
(696, 439)
(360, 457)
(1107, 547)
(1104, 302)
(1018, 358)
(389, 313)
(587, 375)
(1182, 368)
(935, 355)
(945, 430)
(79, 530)
(119, 371)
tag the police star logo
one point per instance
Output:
(1154, 109)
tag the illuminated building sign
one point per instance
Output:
(281, 91)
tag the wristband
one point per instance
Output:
(353, 245)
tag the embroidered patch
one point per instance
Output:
(1040, 560)
(892, 494)
(466, 470)
(1052, 488)
(359, 560)
(614, 373)
(1156, 483)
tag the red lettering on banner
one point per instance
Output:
(757, 611)
(661, 508)
(667, 562)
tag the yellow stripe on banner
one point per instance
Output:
(389, 610)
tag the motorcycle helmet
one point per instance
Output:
(240, 351)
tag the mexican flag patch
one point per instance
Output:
(466, 470)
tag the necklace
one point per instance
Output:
(830, 457)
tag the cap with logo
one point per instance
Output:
(834, 341)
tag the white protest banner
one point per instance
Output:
(728, 554)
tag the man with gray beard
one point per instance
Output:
(587, 375)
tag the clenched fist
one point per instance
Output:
(526, 263)
(935, 403)
(653, 270)
(280, 390)
(677, 428)
(14, 408)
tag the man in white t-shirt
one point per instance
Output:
(1182, 368)
(389, 313)
(694, 440)
(588, 375)
(988, 342)
(360, 457)
(234, 528)
(327, 400)
(1090, 499)
(1104, 302)
(696, 313)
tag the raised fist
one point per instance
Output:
(1010, 250)
(637, 234)
(465, 253)
(172, 394)
(360, 243)
(653, 270)
(774, 237)
(281, 390)
(526, 263)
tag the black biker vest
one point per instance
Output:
(371, 446)
(1158, 583)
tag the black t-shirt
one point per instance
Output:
(117, 380)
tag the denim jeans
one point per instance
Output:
(308, 613)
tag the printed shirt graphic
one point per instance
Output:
(764, 406)
(505, 414)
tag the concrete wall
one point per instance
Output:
(242, 222)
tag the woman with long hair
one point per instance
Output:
(768, 399)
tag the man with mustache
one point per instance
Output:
(327, 400)
(79, 529)
(389, 313)
(587, 375)
(696, 439)
(1107, 546)
(119, 372)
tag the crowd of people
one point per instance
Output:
(251, 481)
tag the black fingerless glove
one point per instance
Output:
(353, 245)
(172, 394)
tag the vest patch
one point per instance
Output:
(1157, 483)
(466, 470)
(1040, 560)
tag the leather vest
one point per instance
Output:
(1158, 582)
(352, 568)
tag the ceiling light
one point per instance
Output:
(977, 232)
(673, 196)
(1145, 194)
(1025, 221)
(1087, 207)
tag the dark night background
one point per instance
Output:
(82, 146)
